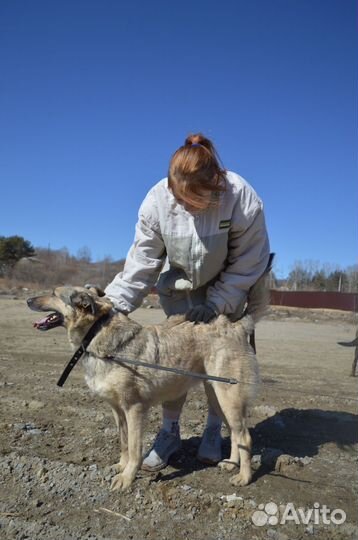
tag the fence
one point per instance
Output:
(315, 299)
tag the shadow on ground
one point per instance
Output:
(298, 433)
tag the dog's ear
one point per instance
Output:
(84, 301)
(95, 288)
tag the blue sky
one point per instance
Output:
(96, 95)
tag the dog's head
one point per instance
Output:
(74, 308)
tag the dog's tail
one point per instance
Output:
(258, 300)
(353, 343)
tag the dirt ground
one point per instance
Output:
(57, 445)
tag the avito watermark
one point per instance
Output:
(270, 514)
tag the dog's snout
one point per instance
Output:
(32, 303)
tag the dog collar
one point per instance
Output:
(82, 349)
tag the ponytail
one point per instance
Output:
(195, 169)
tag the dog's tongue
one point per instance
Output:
(47, 322)
(42, 323)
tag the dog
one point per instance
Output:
(220, 348)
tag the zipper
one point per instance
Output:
(196, 251)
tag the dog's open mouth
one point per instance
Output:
(51, 321)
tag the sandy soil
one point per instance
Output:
(57, 445)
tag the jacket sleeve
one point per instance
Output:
(144, 261)
(248, 255)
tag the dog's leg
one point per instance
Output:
(135, 417)
(212, 399)
(234, 412)
(242, 441)
(122, 427)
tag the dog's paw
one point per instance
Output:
(226, 465)
(241, 479)
(120, 466)
(120, 481)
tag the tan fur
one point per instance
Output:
(220, 348)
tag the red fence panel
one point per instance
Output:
(315, 299)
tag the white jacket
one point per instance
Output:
(224, 247)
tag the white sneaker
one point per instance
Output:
(164, 446)
(210, 446)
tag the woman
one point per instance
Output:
(203, 230)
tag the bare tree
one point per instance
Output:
(84, 254)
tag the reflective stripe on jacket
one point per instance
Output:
(226, 245)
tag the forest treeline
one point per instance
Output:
(22, 265)
(312, 276)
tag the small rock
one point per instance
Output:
(19, 426)
(41, 473)
(265, 410)
(250, 503)
(232, 497)
(131, 513)
(34, 431)
(284, 461)
(35, 405)
(256, 461)
(276, 535)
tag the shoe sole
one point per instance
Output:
(156, 468)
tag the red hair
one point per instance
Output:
(195, 172)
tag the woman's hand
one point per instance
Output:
(200, 313)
